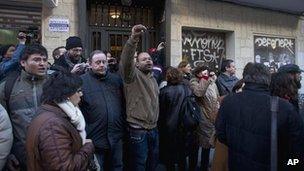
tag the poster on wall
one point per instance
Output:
(201, 47)
(274, 51)
(58, 25)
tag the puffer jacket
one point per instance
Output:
(24, 101)
(6, 136)
(53, 143)
(208, 99)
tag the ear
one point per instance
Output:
(136, 63)
(23, 63)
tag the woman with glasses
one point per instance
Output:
(56, 138)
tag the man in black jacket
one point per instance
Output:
(227, 79)
(244, 122)
(72, 59)
(104, 111)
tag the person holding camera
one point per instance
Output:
(72, 60)
(207, 96)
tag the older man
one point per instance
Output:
(104, 110)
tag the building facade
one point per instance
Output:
(200, 31)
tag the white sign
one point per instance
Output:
(59, 25)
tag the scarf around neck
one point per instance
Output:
(77, 119)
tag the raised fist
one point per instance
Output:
(137, 30)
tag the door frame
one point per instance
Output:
(106, 31)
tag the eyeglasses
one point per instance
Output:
(79, 91)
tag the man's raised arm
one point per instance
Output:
(127, 62)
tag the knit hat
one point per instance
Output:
(73, 42)
(290, 68)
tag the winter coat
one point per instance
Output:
(208, 99)
(225, 83)
(141, 90)
(53, 143)
(103, 108)
(172, 143)
(23, 104)
(244, 122)
(64, 63)
(6, 136)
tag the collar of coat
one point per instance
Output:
(262, 88)
(98, 76)
(30, 77)
(53, 108)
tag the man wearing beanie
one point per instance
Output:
(72, 59)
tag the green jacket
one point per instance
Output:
(141, 90)
(24, 101)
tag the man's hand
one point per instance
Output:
(12, 162)
(21, 38)
(137, 30)
(77, 68)
(160, 46)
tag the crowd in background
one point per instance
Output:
(133, 113)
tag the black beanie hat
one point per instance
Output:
(73, 42)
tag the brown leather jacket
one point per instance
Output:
(53, 143)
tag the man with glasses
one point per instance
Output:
(72, 60)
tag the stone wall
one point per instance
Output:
(239, 21)
(66, 9)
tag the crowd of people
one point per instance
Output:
(130, 113)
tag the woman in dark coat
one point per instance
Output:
(172, 140)
(284, 86)
(56, 138)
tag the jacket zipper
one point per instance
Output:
(35, 93)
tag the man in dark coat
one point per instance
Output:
(71, 60)
(104, 111)
(244, 123)
(227, 79)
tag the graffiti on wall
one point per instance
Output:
(201, 47)
(274, 51)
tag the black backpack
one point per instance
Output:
(8, 87)
(190, 113)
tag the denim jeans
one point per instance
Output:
(143, 149)
(110, 159)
